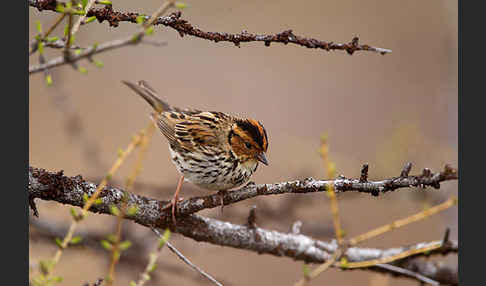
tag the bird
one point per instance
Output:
(210, 149)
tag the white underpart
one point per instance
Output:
(213, 176)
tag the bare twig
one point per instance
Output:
(183, 27)
(407, 272)
(70, 190)
(187, 261)
(88, 52)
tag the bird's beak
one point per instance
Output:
(261, 157)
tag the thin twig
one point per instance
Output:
(407, 272)
(187, 261)
(405, 221)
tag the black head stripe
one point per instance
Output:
(253, 131)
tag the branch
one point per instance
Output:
(311, 185)
(183, 27)
(70, 190)
(87, 53)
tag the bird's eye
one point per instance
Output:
(248, 145)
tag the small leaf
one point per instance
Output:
(44, 266)
(306, 270)
(71, 40)
(74, 214)
(77, 12)
(114, 210)
(106, 245)
(149, 30)
(85, 197)
(60, 8)
(58, 242)
(111, 238)
(140, 19)
(57, 279)
(40, 47)
(52, 39)
(98, 64)
(132, 283)
(98, 201)
(76, 240)
(66, 30)
(48, 80)
(83, 70)
(152, 268)
(104, 2)
(84, 3)
(125, 245)
(77, 51)
(89, 19)
(344, 262)
(180, 5)
(132, 210)
(38, 27)
(165, 237)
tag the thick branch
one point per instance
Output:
(183, 27)
(70, 190)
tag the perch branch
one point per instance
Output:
(70, 190)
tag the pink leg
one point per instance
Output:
(175, 199)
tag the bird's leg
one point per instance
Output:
(175, 199)
(221, 198)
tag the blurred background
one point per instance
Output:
(381, 110)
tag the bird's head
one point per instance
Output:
(248, 141)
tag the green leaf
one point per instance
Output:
(106, 245)
(140, 19)
(98, 64)
(132, 210)
(77, 51)
(84, 3)
(306, 270)
(45, 266)
(111, 238)
(125, 245)
(40, 46)
(152, 268)
(48, 80)
(60, 8)
(71, 40)
(165, 237)
(89, 19)
(180, 5)
(104, 2)
(132, 283)
(52, 39)
(83, 70)
(344, 262)
(98, 201)
(76, 240)
(58, 242)
(66, 30)
(74, 213)
(57, 279)
(149, 30)
(114, 210)
(85, 197)
(38, 27)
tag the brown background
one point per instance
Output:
(383, 110)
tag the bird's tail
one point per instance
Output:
(149, 94)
